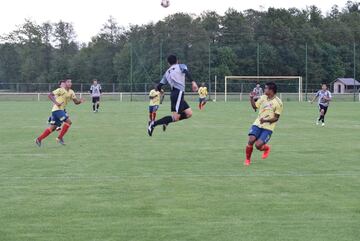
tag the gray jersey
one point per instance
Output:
(95, 90)
(321, 94)
(175, 76)
(259, 91)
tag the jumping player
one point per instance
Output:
(175, 76)
(324, 98)
(60, 97)
(95, 91)
(203, 93)
(258, 91)
(270, 108)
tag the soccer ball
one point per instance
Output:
(165, 3)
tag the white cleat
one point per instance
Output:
(323, 124)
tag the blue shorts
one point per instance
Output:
(260, 133)
(153, 108)
(201, 100)
(58, 117)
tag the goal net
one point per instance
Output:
(238, 87)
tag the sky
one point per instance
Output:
(88, 16)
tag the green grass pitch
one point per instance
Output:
(113, 182)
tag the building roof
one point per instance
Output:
(348, 81)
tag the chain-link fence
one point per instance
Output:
(139, 92)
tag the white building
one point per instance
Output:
(345, 85)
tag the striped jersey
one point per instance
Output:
(321, 94)
(95, 90)
(259, 91)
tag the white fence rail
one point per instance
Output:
(142, 96)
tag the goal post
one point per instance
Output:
(289, 85)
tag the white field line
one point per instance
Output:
(347, 174)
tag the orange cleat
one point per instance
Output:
(247, 162)
(266, 153)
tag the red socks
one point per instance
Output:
(152, 116)
(45, 134)
(64, 129)
(249, 150)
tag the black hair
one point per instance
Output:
(61, 81)
(172, 59)
(272, 86)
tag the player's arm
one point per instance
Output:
(76, 100)
(252, 101)
(100, 89)
(163, 82)
(51, 96)
(90, 91)
(315, 97)
(185, 70)
(194, 85)
(152, 96)
(271, 120)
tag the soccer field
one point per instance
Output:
(113, 182)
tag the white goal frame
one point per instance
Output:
(257, 78)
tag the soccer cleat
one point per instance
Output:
(38, 142)
(266, 153)
(323, 124)
(164, 127)
(151, 128)
(247, 162)
(60, 141)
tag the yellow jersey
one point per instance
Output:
(154, 97)
(267, 110)
(63, 97)
(203, 92)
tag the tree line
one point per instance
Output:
(276, 41)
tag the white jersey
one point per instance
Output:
(259, 91)
(95, 90)
(175, 76)
(321, 94)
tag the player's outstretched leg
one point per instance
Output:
(45, 134)
(165, 121)
(64, 130)
(249, 150)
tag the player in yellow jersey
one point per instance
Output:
(203, 93)
(270, 108)
(60, 97)
(154, 104)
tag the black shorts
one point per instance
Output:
(178, 104)
(325, 108)
(95, 99)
